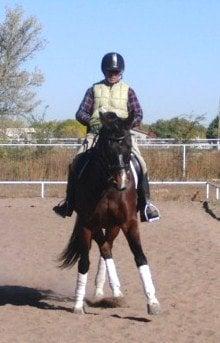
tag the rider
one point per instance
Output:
(110, 95)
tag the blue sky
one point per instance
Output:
(171, 49)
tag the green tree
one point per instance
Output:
(69, 129)
(20, 40)
(179, 128)
(213, 128)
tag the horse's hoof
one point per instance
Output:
(78, 310)
(118, 294)
(153, 309)
(98, 294)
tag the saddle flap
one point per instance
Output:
(136, 169)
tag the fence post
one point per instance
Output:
(217, 193)
(184, 160)
(207, 190)
(42, 189)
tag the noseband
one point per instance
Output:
(120, 168)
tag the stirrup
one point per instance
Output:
(152, 215)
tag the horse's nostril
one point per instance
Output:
(122, 188)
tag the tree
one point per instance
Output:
(213, 128)
(44, 130)
(70, 128)
(179, 128)
(63, 129)
(20, 40)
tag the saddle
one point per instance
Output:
(136, 169)
(84, 158)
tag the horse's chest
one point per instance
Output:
(111, 210)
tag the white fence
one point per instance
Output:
(42, 184)
(183, 147)
(144, 144)
(138, 139)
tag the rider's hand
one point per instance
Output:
(95, 129)
(95, 125)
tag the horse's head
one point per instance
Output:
(115, 146)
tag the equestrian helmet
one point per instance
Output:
(112, 62)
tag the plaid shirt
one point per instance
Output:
(85, 110)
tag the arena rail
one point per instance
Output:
(144, 144)
(169, 183)
(215, 186)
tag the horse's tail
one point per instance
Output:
(72, 252)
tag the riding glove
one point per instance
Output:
(95, 125)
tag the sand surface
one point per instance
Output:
(36, 296)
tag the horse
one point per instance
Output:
(105, 203)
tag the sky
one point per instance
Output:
(171, 50)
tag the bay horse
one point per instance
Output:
(105, 203)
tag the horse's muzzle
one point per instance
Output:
(121, 180)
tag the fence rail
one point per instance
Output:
(65, 140)
(144, 144)
(168, 183)
(215, 186)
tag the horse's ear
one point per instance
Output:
(128, 122)
(101, 117)
(107, 117)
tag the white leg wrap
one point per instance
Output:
(147, 282)
(113, 277)
(100, 277)
(80, 290)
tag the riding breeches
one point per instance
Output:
(91, 139)
(137, 153)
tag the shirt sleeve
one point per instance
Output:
(85, 110)
(134, 107)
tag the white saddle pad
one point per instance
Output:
(134, 174)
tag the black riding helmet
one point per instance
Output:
(112, 61)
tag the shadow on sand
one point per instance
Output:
(137, 319)
(26, 296)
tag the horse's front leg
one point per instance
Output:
(105, 247)
(100, 278)
(83, 267)
(133, 238)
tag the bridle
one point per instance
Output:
(116, 173)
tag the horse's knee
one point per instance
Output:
(105, 251)
(83, 265)
(140, 259)
(136, 248)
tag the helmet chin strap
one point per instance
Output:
(106, 79)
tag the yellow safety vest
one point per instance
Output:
(111, 99)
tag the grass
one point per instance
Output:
(42, 163)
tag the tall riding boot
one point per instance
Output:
(66, 207)
(148, 212)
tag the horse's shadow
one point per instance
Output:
(27, 296)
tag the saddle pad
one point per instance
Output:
(134, 174)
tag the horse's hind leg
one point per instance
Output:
(133, 238)
(83, 267)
